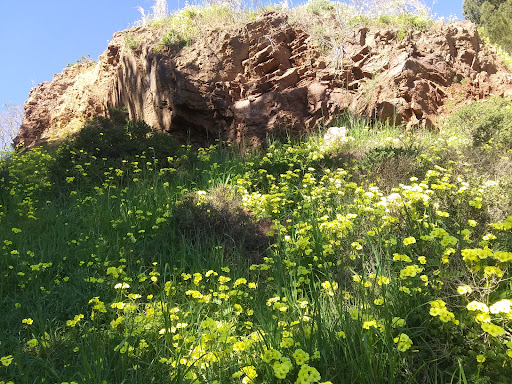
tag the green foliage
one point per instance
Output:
(471, 9)
(318, 7)
(497, 23)
(131, 42)
(158, 268)
(176, 39)
(219, 216)
(186, 24)
(108, 143)
(485, 120)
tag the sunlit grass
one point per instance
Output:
(111, 272)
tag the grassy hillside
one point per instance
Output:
(382, 258)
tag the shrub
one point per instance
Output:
(471, 9)
(105, 143)
(485, 120)
(497, 23)
(218, 215)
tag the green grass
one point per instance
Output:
(112, 270)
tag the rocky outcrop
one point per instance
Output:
(268, 77)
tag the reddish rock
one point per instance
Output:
(239, 85)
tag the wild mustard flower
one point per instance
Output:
(502, 306)
(493, 329)
(404, 342)
(477, 306)
(480, 358)
(464, 290)
(300, 356)
(6, 360)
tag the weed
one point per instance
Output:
(131, 42)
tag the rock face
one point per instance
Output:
(269, 77)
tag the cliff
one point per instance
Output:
(269, 76)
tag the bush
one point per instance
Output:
(485, 121)
(218, 215)
(497, 23)
(105, 143)
(389, 166)
(471, 9)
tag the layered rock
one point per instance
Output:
(268, 77)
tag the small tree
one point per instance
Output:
(10, 120)
(497, 23)
(471, 9)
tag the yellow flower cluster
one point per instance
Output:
(438, 308)
(404, 342)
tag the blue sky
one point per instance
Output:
(39, 37)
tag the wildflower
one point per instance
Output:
(287, 342)
(398, 322)
(409, 240)
(6, 360)
(341, 335)
(121, 286)
(369, 324)
(271, 354)
(27, 321)
(404, 342)
(300, 357)
(493, 329)
(72, 323)
(379, 301)
(477, 306)
(502, 306)
(280, 370)
(464, 290)
(410, 271)
(401, 257)
(329, 288)
(503, 257)
(480, 358)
